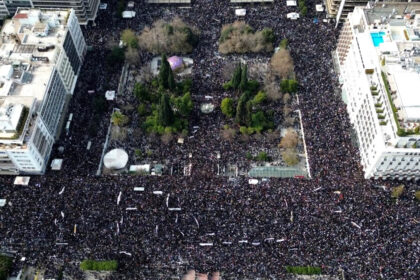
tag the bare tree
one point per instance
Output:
(290, 140)
(132, 56)
(290, 157)
(168, 37)
(239, 37)
(166, 138)
(228, 134)
(272, 87)
(282, 64)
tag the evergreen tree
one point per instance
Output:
(171, 80)
(164, 72)
(236, 78)
(241, 113)
(244, 79)
(248, 113)
(166, 115)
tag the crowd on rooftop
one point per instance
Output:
(337, 220)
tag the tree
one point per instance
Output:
(118, 119)
(116, 56)
(397, 191)
(417, 195)
(283, 43)
(132, 56)
(227, 107)
(171, 80)
(248, 113)
(262, 156)
(184, 104)
(5, 266)
(129, 38)
(289, 86)
(141, 92)
(244, 78)
(99, 265)
(165, 113)
(259, 98)
(286, 98)
(304, 11)
(282, 64)
(290, 139)
(290, 157)
(228, 133)
(120, 7)
(164, 72)
(241, 109)
(236, 78)
(99, 104)
(268, 35)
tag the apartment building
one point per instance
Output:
(41, 54)
(378, 55)
(85, 10)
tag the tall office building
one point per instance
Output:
(86, 10)
(378, 56)
(41, 54)
(343, 7)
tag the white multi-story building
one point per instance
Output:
(41, 54)
(85, 10)
(378, 55)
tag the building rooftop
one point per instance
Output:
(28, 54)
(389, 41)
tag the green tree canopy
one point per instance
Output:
(164, 72)
(241, 112)
(5, 265)
(141, 92)
(227, 107)
(184, 104)
(165, 113)
(171, 80)
(236, 78)
(99, 265)
(129, 38)
(116, 56)
(118, 119)
(244, 78)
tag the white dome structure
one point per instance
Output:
(116, 159)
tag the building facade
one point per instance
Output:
(85, 10)
(41, 55)
(379, 63)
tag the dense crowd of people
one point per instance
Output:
(337, 220)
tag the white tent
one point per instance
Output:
(292, 16)
(116, 159)
(319, 8)
(291, 3)
(240, 12)
(128, 14)
(110, 95)
(22, 180)
(253, 181)
(2, 202)
(141, 167)
(56, 164)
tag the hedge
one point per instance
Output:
(5, 265)
(99, 265)
(303, 270)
